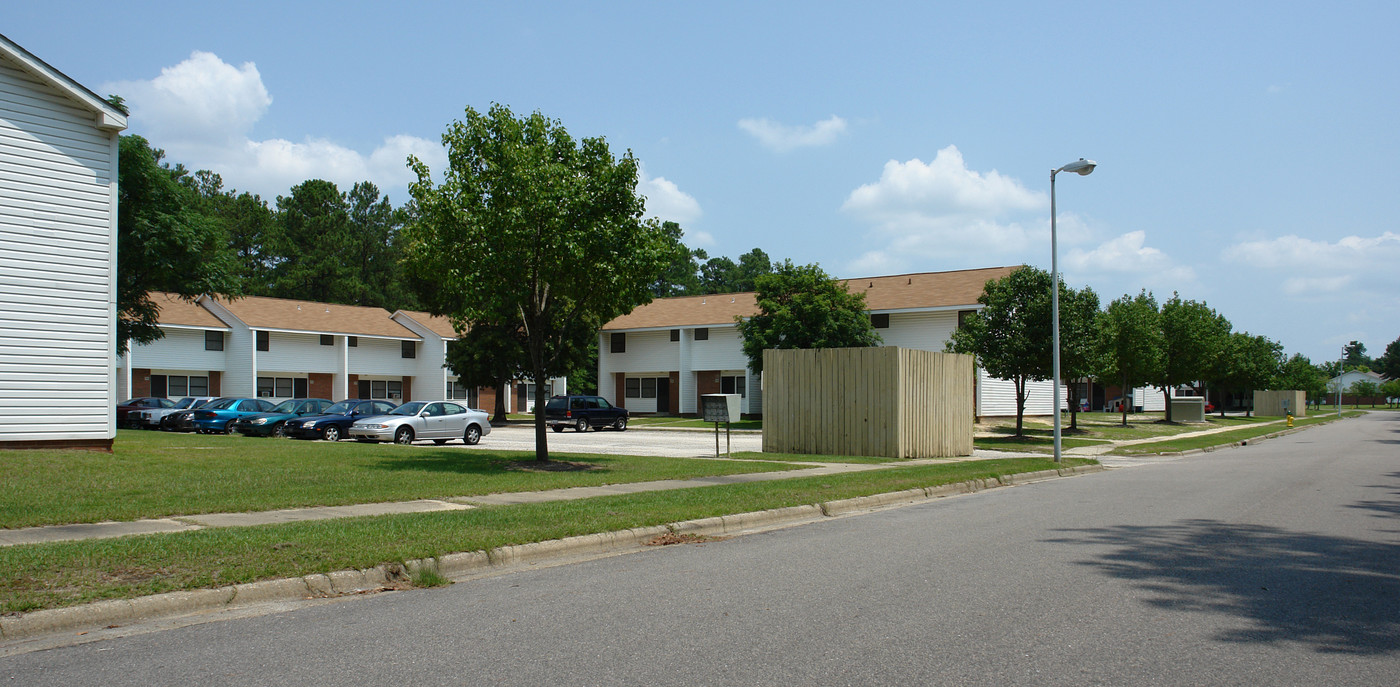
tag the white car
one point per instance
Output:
(440, 421)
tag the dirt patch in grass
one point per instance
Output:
(680, 538)
(549, 466)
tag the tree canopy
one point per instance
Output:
(1079, 342)
(1011, 335)
(1130, 343)
(530, 226)
(1389, 362)
(800, 306)
(1193, 337)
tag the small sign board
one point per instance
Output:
(719, 407)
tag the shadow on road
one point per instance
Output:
(1336, 594)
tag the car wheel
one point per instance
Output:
(621, 424)
(280, 430)
(331, 433)
(403, 436)
(472, 436)
(557, 428)
(228, 428)
(581, 425)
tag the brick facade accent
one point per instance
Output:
(408, 389)
(675, 392)
(216, 383)
(320, 385)
(620, 388)
(706, 382)
(353, 388)
(140, 382)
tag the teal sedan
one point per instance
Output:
(273, 423)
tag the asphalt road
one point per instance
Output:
(1272, 564)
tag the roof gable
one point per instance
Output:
(107, 117)
(260, 312)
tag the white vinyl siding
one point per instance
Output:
(296, 352)
(926, 331)
(179, 349)
(648, 351)
(723, 351)
(57, 302)
(382, 357)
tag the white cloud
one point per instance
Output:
(1308, 267)
(782, 138)
(202, 112)
(665, 200)
(1129, 254)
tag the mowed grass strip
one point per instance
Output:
(1107, 426)
(1221, 438)
(158, 474)
(68, 573)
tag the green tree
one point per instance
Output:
(1011, 335)
(313, 228)
(1363, 388)
(722, 275)
(1299, 374)
(163, 242)
(1130, 343)
(1247, 363)
(489, 355)
(1079, 339)
(532, 227)
(1193, 336)
(1354, 356)
(682, 274)
(1389, 362)
(799, 306)
(374, 251)
(1391, 389)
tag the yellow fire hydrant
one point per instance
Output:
(1290, 420)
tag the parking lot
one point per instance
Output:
(634, 441)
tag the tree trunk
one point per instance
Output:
(1123, 400)
(1020, 383)
(502, 388)
(1072, 395)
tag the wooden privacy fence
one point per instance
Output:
(888, 401)
(1270, 403)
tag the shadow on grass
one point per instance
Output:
(483, 463)
(1334, 594)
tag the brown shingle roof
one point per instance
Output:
(320, 318)
(436, 324)
(895, 292)
(180, 313)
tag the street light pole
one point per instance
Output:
(1081, 167)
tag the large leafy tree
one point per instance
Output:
(800, 306)
(1363, 389)
(682, 274)
(311, 243)
(1079, 342)
(1389, 362)
(491, 355)
(530, 226)
(1355, 356)
(1130, 343)
(1011, 335)
(1193, 337)
(1299, 374)
(1247, 363)
(164, 242)
(1391, 389)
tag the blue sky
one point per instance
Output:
(1247, 151)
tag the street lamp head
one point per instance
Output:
(1081, 167)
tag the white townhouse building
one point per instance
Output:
(661, 357)
(58, 226)
(279, 349)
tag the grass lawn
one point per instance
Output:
(159, 474)
(1035, 442)
(69, 573)
(1222, 438)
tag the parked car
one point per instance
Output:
(124, 408)
(334, 423)
(274, 422)
(1210, 407)
(218, 416)
(150, 418)
(583, 412)
(440, 421)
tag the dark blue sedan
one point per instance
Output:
(334, 425)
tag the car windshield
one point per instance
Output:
(184, 403)
(286, 406)
(220, 404)
(408, 409)
(342, 408)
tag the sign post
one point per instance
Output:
(719, 408)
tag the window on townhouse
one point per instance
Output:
(634, 387)
(456, 391)
(327, 340)
(880, 321)
(213, 341)
(408, 349)
(733, 385)
(675, 335)
(648, 387)
(352, 341)
(617, 343)
(199, 385)
(702, 333)
(264, 341)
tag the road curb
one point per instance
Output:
(466, 565)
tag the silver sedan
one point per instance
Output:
(440, 421)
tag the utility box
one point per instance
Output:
(719, 407)
(888, 401)
(1280, 403)
(1188, 409)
